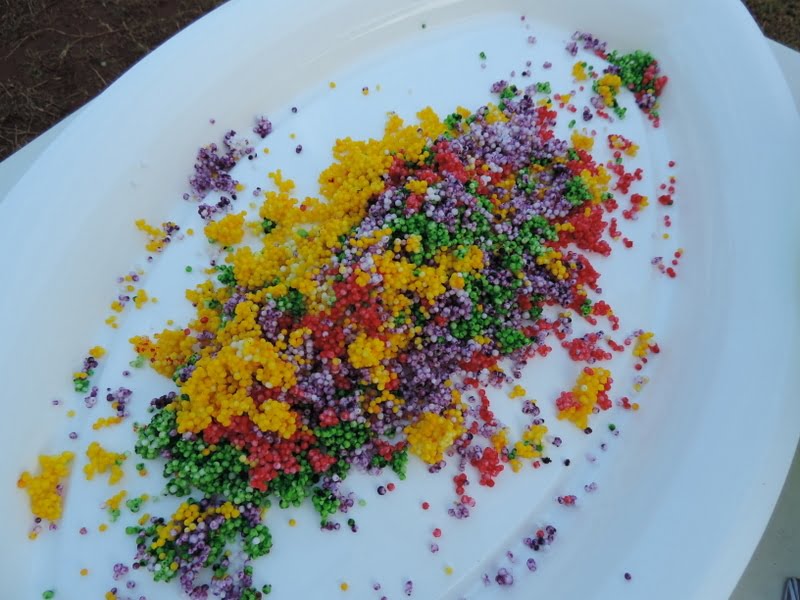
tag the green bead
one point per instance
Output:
(577, 191)
(267, 225)
(226, 276)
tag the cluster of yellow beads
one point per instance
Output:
(581, 141)
(494, 114)
(500, 439)
(579, 71)
(552, 260)
(156, 238)
(608, 87)
(431, 435)
(171, 349)
(115, 501)
(417, 187)
(276, 416)
(102, 461)
(227, 231)
(586, 391)
(365, 351)
(517, 392)
(643, 343)
(141, 298)
(530, 445)
(106, 422)
(597, 183)
(46, 501)
(218, 386)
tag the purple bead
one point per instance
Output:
(263, 127)
(504, 577)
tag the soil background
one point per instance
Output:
(56, 55)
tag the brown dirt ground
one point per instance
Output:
(55, 55)
(779, 19)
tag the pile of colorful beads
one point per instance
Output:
(348, 338)
(347, 332)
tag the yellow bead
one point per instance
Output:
(46, 501)
(102, 461)
(97, 352)
(517, 392)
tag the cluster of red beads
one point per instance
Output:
(488, 465)
(585, 348)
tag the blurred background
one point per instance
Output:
(56, 55)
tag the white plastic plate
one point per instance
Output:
(685, 491)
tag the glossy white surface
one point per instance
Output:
(678, 455)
